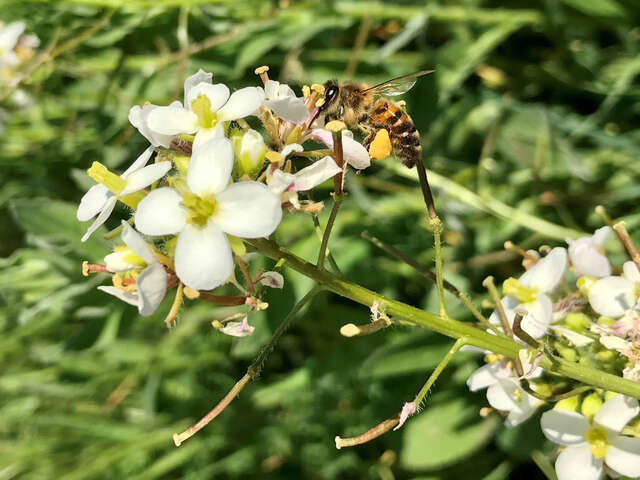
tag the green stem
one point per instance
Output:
(436, 224)
(436, 373)
(332, 261)
(445, 326)
(337, 201)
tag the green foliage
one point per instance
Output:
(530, 117)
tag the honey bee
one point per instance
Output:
(363, 107)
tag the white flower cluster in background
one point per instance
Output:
(207, 181)
(570, 305)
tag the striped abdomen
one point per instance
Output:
(405, 139)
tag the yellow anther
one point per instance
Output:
(511, 286)
(274, 157)
(101, 174)
(319, 102)
(190, 293)
(262, 69)
(306, 91)
(318, 88)
(85, 269)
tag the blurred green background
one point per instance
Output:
(532, 115)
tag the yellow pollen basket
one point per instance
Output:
(199, 209)
(201, 106)
(511, 286)
(598, 445)
(381, 146)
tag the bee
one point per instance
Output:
(366, 108)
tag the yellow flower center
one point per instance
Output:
(598, 445)
(201, 106)
(199, 209)
(517, 395)
(130, 257)
(513, 287)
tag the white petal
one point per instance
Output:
(199, 77)
(217, 95)
(574, 337)
(538, 319)
(138, 163)
(577, 463)
(631, 272)
(280, 181)
(144, 177)
(623, 456)
(290, 109)
(600, 235)
(93, 202)
(172, 120)
(289, 149)
(210, 167)
(614, 343)
(617, 412)
(104, 215)
(160, 213)
(242, 103)
(354, 153)
(136, 243)
(117, 261)
(612, 296)
(313, 175)
(203, 257)
(564, 427)
(248, 210)
(587, 259)
(139, 118)
(506, 395)
(9, 35)
(509, 304)
(152, 286)
(545, 275)
(205, 135)
(487, 375)
(129, 297)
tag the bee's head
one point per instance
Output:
(331, 94)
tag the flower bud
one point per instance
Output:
(570, 404)
(250, 151)
(590, 405)
(577, 321)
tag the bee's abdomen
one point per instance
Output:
(405, 139)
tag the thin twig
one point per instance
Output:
(247, 276)
(628, 244)
(361, 39)
(332, 261)
(438, 370)
(370, 434)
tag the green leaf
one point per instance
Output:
(597, 8)
(448, 431)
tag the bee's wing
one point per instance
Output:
(398, 85)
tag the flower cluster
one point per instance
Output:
(207, 182)
(568, 303)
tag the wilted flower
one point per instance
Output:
(204, 210)
(408, 409)
(238, 328)
(101, 199)
(206, 108)
(613, 296)
(151, 278)
(589, 445)
(586, 255)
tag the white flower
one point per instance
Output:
(503, 391)
(206, 209)
(101, 199)
(586, 256)
(250, 150)
(591, 445)
(151, 282)
(9, 36)
(238, 329)
(354, 153)
(282, 100)
(529, 293)
(206, 108)
(613, 296)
